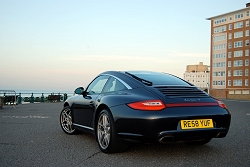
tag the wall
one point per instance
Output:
(240, 94)
(218, 93)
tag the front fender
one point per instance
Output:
(70, 101)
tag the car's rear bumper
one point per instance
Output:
(172, 136)
(177, 136)
(164, 126)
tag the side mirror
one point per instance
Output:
(79, 91)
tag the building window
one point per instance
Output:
(220, 29)
(221, 20)
(238, 53)
(229, 54)
(247, 23)
(238, 34)
(218, 82)
(238, 44)
(229, 73)
(230, 36)
(219, 64)
(230, 18)
(229, 63)
(230, 45)
(237, 72)
(220, 47)
(238, 63)
(246, 62)
(246, 82)
(219, 73)
(220, 38)
(230, 26)
(246, 52)
(229, 82)
(219, 55)
(247, 33)
(247, 42)
(247, 13)
(238, 15)
(238, 25)
(238, 82)
(223, 64)
(246, 72)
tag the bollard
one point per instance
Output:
(42, 98)
(1, 102)
(32, 98)
(65, 96)
(20, 99)
(4, 98)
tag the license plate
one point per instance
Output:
(197, 124)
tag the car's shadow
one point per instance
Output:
(159, 149)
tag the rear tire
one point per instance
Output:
(199, 142)
(66, 121)
(106, 136)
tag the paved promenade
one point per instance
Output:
(31, 136)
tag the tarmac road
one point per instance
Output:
(31, 136)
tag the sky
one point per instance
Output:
(61, 45)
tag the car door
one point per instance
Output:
(84, 105)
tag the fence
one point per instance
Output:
(41, 97)
(10, 97)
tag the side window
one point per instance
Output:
(114, 85)
(97, 85)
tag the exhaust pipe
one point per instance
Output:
(166, 139)
(221, 134)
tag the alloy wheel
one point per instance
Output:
(66, 121)
(103, 131)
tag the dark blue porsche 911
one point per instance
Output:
(122, 106)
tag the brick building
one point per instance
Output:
(229, 54)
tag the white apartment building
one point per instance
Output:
(198, 75)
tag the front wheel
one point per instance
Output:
(105, 133)
(66, 121)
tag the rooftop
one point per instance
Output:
(235, 11)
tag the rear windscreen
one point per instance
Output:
(160, 78)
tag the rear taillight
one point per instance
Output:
(221, 104)
(148, 105)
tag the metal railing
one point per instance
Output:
(41, 97)
(10, 97)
